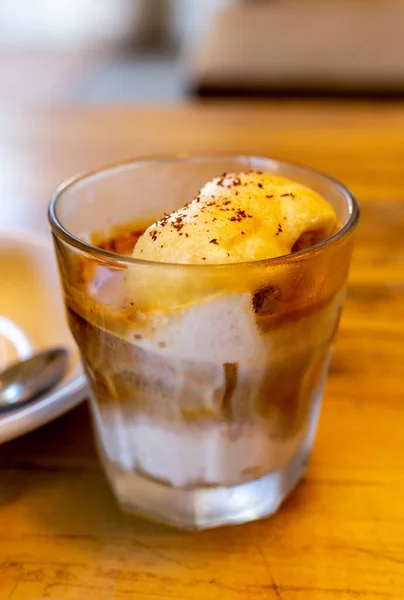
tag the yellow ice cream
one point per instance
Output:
(240, 217)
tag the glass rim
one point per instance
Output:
(105, 255)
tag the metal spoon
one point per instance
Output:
(26, 380)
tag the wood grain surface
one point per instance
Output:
(341, 534)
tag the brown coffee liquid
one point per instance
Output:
(122, 238)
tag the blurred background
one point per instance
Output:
(124, 51)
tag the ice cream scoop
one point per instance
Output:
(240, 217)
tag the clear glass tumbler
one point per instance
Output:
(206, 381)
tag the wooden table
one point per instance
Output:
(341, 534)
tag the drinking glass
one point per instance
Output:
(206, 380)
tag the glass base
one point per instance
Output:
(205, 508)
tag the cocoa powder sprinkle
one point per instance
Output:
(178, 226)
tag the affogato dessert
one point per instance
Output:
(207, 354)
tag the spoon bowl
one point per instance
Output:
(26, 380)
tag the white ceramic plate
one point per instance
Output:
(32, 318)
